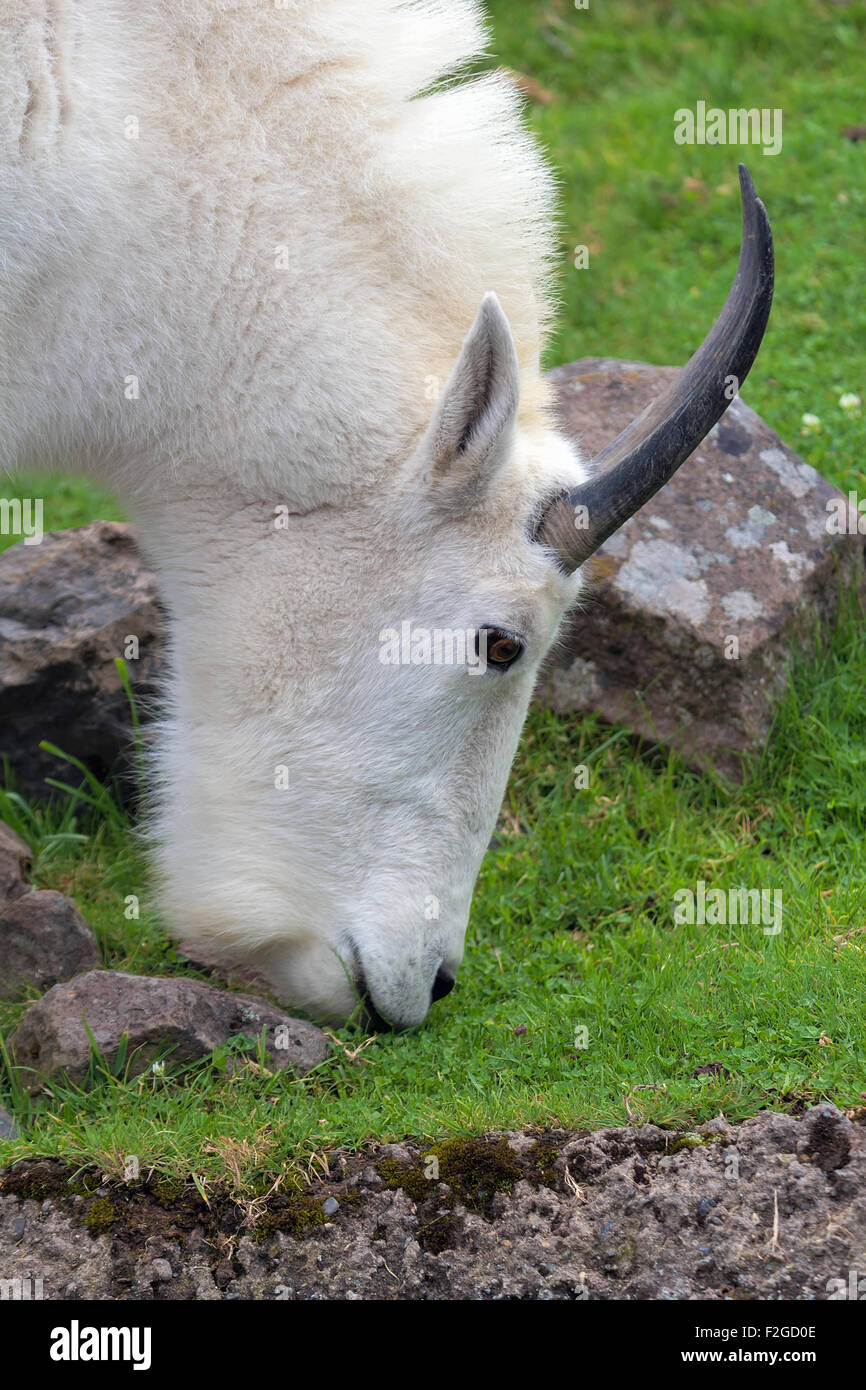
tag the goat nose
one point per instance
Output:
(443, 984)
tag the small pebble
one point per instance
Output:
(18, 1228)
(162, 1269)
(330, 1205)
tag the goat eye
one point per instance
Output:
(502, 649)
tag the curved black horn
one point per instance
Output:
(641, 460)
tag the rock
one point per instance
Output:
(694, 604)
(646, 1224)
(8, 1127)
(162, 1270)
(43, 939)
(15, 861)
(203, 955)
(171, 1018)
(67, 609)
(330, 1206)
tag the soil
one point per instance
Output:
(774, 1208)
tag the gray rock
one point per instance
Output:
(237, 973)
(735, 547)
(15, 861)
(171, 1018)
(330, 1206)
(162, 1270)
(43, 939)
(67, 610)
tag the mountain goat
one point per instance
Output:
(272, 280)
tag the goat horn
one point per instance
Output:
(629, 470)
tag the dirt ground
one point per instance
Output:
(774, 1208)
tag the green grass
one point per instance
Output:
(662, 221)
(572, 925)
(572, 928)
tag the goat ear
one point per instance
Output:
(472, 429)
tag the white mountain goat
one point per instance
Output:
(243, 247)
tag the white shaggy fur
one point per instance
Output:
(239, 254)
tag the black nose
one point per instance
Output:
(443, 984)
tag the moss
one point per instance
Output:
(474, 1169)
(100, 1216)
(624, 1258)
(542, 1161)
(297, 1216)
(166, 1191)
(411, 1178)
(690, 1140)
